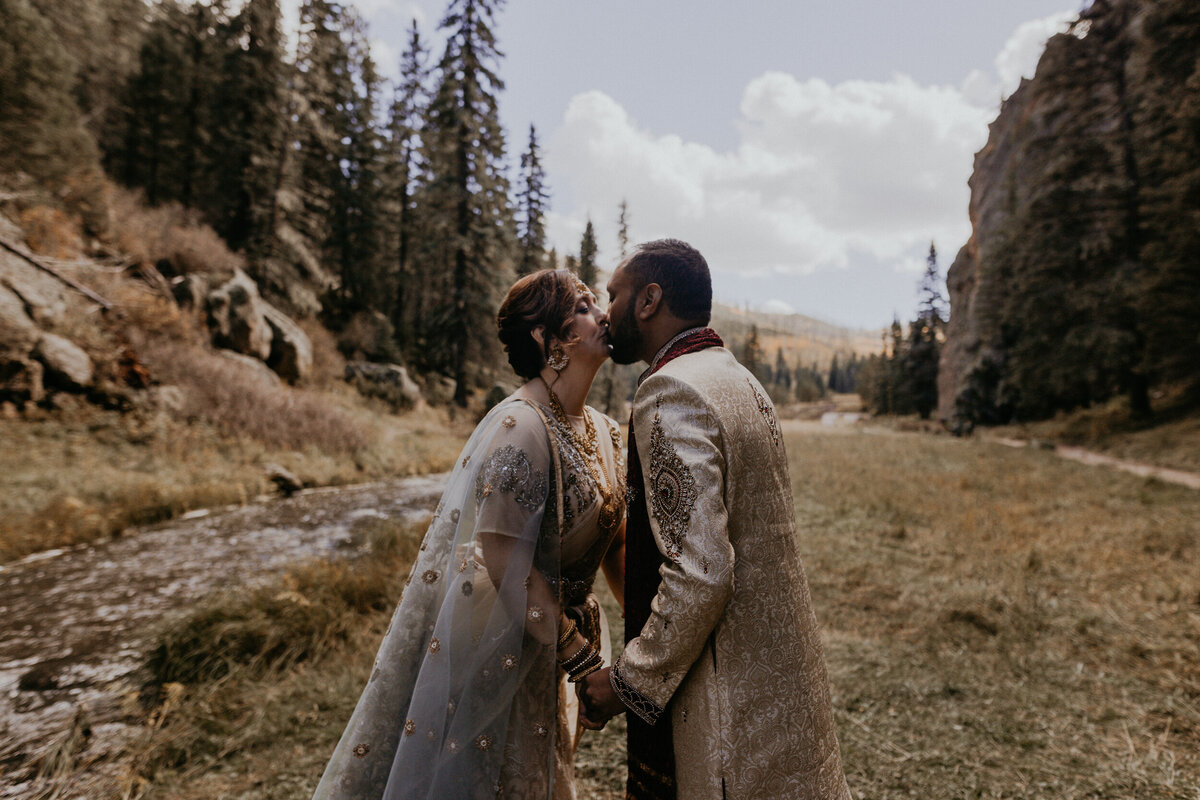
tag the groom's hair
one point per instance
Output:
(681, 272)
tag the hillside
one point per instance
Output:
(1080, 281)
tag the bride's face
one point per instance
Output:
(589, 328)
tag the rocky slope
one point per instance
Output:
(1081, 277)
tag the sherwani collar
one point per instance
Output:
(655, 362)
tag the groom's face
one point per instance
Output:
(624, 335)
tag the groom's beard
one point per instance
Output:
(625, 338)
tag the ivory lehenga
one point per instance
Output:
(466, 699)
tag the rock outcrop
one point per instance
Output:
(388, 382)
(1079, 281)
(241, 321)
(33, 359)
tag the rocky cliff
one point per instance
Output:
(1081, 279)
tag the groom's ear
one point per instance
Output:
(649, 301)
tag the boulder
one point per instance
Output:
(18, 333)
(44, 296)
(284, 480)
(190, 290)
(67, 366)
(236, 317)
(389, 382)
(291, 350)
(21, 380)
(252, 369)
(440, 389)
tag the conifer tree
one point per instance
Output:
(403, 172)
(532, 203)
(919, 367)
(251, 107)
(471, 235)
(623, 229)
(39, 119)
(587, 256)
(752, 358)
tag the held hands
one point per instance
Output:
(598, 700)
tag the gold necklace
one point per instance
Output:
(589, 449)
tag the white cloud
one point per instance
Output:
(1021, 53)
(823, 176)
(1017, 59)
(822, 173)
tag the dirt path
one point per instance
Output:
(1083, 456)
(73, 623)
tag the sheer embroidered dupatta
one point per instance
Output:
(461, 702)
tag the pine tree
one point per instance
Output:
(251, 106)
(471, 235)
(403, 173)
(532, 203)
(623, 229)
(752, 358)
(39, 119)
(918, 383)
(587, 256)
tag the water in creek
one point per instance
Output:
(74, 623)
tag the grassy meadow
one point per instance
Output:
(999, 623)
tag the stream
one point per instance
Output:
(74, 624)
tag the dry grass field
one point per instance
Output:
(999, 623)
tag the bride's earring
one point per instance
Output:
(558, 359)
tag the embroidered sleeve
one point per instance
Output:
(508, 470)
(634, 700)
(680, 443)
(672, 490)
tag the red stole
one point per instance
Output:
(651, 748)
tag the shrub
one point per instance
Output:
(233, 397)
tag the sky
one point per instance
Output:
(811, 150)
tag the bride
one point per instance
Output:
(469, 696)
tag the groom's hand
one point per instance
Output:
(600, 702)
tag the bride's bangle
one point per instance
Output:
(567, 634)
(586, 661)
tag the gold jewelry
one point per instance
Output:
(568, 633)
(589, 448)
(558, 358)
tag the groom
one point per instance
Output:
(723, 667)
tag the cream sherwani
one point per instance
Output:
(732, 646)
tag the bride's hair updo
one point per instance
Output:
(545, 298)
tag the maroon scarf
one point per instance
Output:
(651, 748)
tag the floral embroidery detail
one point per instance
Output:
(643, 706)
(509, 662)
(410, 727)
(764, 408)
(466, 460)
(454, 515)
(451, 707)
(361, 750)
(508, 470)
(672, 490)
(483, 742)
(528, 581)
(452, 745)
(536, 614)
(431, 576)
(509, 421)
(704, 565)
(434, 645)
(540, 729)
(430, 734)
(487, 673)
(468, 587)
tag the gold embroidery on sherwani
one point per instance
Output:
(764, 408)
(672, 490)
